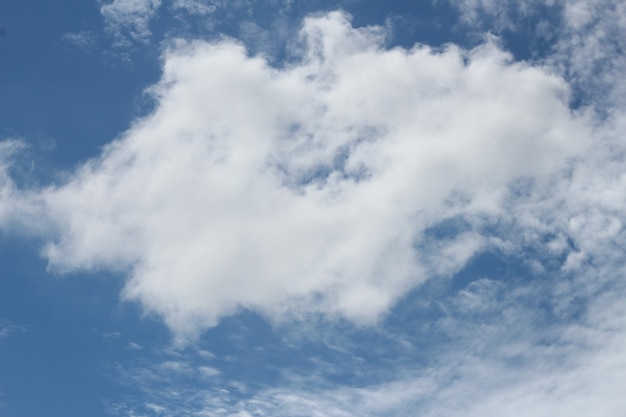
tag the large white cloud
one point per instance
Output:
(308, 188)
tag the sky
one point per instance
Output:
(281, 208)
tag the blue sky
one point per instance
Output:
(330, 209)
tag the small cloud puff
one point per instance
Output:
(129, 20)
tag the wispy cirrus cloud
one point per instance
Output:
(195, 7)
(7, 329)
(503, 355)
(129, 20)
(84, 39)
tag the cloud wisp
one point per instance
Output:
(129, 20)
(7, 329)
(501, 358)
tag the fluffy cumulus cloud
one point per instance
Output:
(311, 187)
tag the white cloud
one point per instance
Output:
(196, 7)
(84, 39)
(129, 19)
(134, 346)
(20, 208)
(577, 370)
(208, 371)
(309, 188)
(8, 149)
(473, 387)
(591, 49)
(587, 39)
(502, 357)
(315, 188)
(7, 329)
(504, 14)
(582, 208)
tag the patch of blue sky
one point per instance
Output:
(74, 331)
(66, 96)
